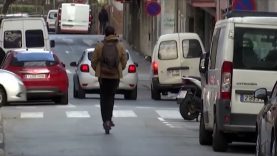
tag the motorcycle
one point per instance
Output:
(189, 98)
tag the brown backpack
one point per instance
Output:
(109, 59)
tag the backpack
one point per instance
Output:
(109, 59)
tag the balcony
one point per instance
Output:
(202, 3)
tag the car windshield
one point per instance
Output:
(33, 59)
(255, 48)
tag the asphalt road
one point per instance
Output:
(143, 127)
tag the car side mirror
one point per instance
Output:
(52, 43)
(261, 93)
(73, 64)
(148, 58)
(204, 62)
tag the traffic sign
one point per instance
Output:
(153, 8)
(244, 5)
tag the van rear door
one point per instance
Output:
(191, 50)
(168, 57)
(254, 66)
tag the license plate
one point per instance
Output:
(250, 99)
(35, 76)
(174, 73)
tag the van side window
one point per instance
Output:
(214, 48)
(34, 38)
(12, 39)
(168, 50)
(191, 48)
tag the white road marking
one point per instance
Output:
(161, 119)
(67, 52)
(77, 114)
(31, 115)
(169, 114)
(124, 113)
(68, 71)
(141, 107)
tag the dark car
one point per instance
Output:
(42, 73)
(267, 122)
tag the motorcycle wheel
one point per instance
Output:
(188, 108)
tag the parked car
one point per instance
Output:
(23, 33)
(51, 20)
(12, 88)
(84, 79)
(174, 55)
(266, 125)
(42, 72)
(242, 59)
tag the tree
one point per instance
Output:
(6, 5)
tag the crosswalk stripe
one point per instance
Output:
(77, 114)
(68, 71)
(31, 115)
(169, 114)
(124, 113)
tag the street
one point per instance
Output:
(142, 127)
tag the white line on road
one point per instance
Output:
(77, 114)
(31, 115)
(124, 113)
(169, 114)
(161, 119)
(67, 52)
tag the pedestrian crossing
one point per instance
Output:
(168, 116)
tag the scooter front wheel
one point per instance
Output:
(188, 109)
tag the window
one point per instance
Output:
(52, 15)
(33, 59)
(214, 48)
(34, 38)
(168, 50)
(12, 39)
(191, 48)
(255, 49)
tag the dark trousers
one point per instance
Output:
(107, 92)
(102, 27)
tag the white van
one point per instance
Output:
(24, 33)
(174, 55)
(73, 18)
(242, 58)
(51, 19)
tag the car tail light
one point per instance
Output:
(132, 68)
(84, 68)
(155, 68)
(226, 80)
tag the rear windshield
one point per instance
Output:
(168, 50)
(255, 49)
(34, 59)
(191, 48)
(34, 38)
(52, 15)
(12, 39)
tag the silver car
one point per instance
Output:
(84, 79)
(12, 88)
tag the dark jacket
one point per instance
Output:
(96, 57)
(103, 16)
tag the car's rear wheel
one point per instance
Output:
(205, 137)
(155, 94)
(3, 97)
(62, 99)
(78, 92)
(131, 95)
(220, 143)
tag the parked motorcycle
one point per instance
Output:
(189, 98)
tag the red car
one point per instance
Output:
(42, 73)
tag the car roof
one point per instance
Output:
(92, 49)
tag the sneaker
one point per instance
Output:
(107, 125)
